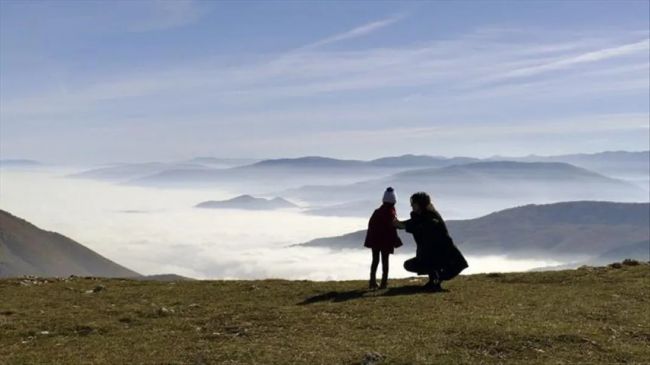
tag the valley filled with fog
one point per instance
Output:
(138, 216)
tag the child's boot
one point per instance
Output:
(373, 282)
(384, 281)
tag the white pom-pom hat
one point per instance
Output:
(389, 196)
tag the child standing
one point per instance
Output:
(382, 237)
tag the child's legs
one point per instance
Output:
(384, 263)
(375, 262)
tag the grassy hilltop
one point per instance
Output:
(591, 315)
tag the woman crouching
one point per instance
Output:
(436, 255)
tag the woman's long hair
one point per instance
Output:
(423, 200)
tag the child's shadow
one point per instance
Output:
(344, 296)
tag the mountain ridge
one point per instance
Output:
(26, 249)
(500, 182)
(248, 202)
(587, 228)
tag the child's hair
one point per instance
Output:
(423, 200)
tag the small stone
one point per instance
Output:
(163, 312)
(45, 333)
(84, 330)
(236, 330)
(372, 358)
(96, 289)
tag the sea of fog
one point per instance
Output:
(156, 231)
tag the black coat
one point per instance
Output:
(435, 251)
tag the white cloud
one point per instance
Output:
(208, 104)
(359, 31)
(450, 66)
(641, 47)
(473, 130)
(173, 237)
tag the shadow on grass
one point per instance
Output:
(344, 296)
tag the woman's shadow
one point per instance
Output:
(344, 296)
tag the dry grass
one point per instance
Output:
(568, 317)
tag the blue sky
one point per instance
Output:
(86, 81)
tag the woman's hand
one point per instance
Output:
(397, 224)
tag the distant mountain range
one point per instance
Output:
(19, 163)
(122, 172)
(631, 166)
(308, 162)
(249, 203)
(486, 186)
(604, 231)
(614, 163)
(221, 162)
(268, 175)
(604, 162)
(28, 250)
(420, 161)
(275, 171)
(128, 171)
(274, 174)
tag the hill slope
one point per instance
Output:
(588, 316)
(27, 250)
(556, 230)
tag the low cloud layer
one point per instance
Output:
(156, 231)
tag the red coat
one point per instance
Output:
(381, 233)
